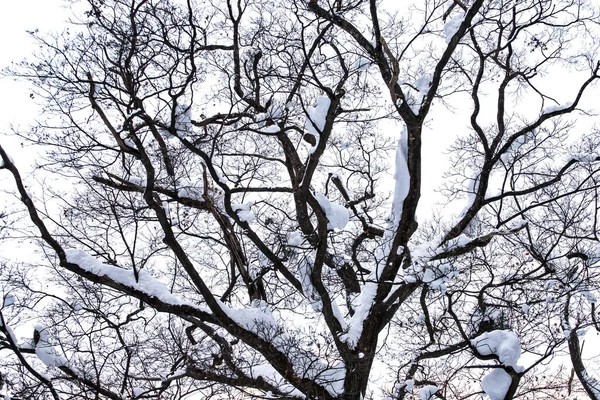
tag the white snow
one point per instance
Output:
(549, 284)
(269, 374)
(427, 392)
(146, 283)
(10, 332)
(315, 119)
(187, 189)
(451, 27)
(566, 328)
(361, 311)
(9, 300)
(362, 64)
(274, 113)
(261, 118)
(338, 314)
(503, 343)
(133, 113)
(271, 129)
(589, 296)
(496, 384)
(421, 253)
(129, 143)
(295, 238)
(553, 108)
(401, 177)
(137, 181)
(584, 158)
(311, 294)
(243, 211)
(437, 276)
(422, 85)
(47, 353)
(257, 319)
(515, 224)
(183, 117)
(165, 206)
(260, 320)
(337, 215)
(316, 116)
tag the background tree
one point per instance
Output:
(222, 222)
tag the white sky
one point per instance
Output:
(16, 17)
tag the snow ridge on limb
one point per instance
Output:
(427, 392)
(364, 301)
(259, 320)
(144, 282)
(451, 27)
(362, 308)
(502, 343)
(401, 178)
(315, 120)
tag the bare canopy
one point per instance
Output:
(227, 203)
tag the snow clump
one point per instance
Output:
(504, 344)
(243, 211)
(315, 119)
(427, 392)
(451, 27)
(337, 215)
(496, 384)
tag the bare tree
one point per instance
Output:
(218, 219)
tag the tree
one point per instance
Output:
(223, 225)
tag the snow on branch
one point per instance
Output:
(401, 177)
(337, 215)
(502, 343)
(451, 27)
(506, 347)
(144, 283)
(438, 250)
(315, 120)
(259, 320)
(362, 308)
(45, 351)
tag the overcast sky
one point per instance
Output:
(16, 17)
